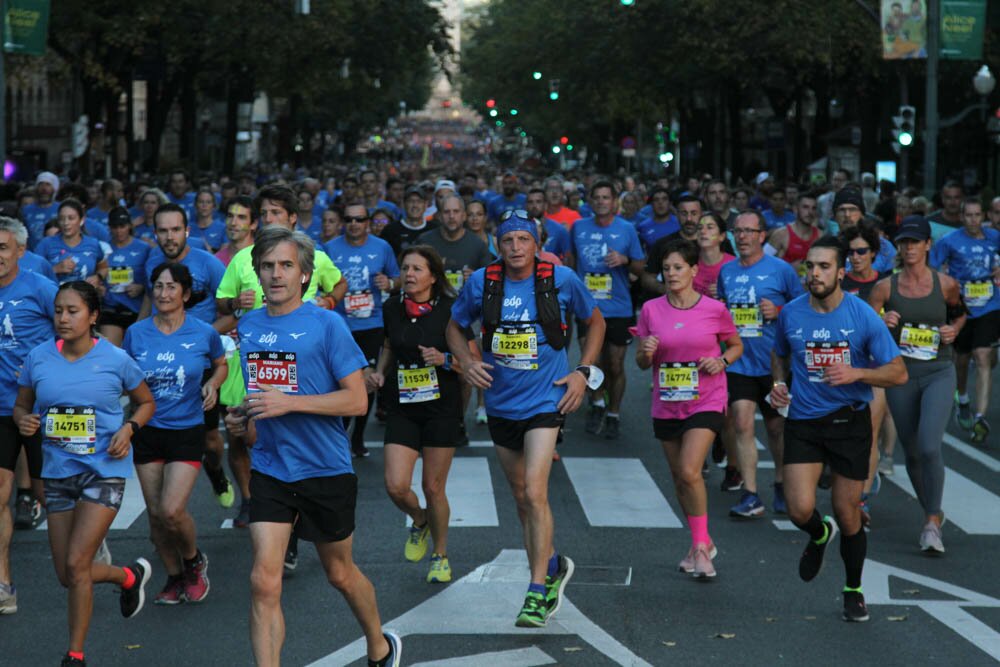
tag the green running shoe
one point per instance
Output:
(555, 584)
(416, 543)
(534, 613)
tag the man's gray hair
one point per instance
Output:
(274, 235)
(16, 228)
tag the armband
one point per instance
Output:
(953, 312)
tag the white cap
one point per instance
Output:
(761, 177)
(445, 184)
(50, 178)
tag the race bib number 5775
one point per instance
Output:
(821, 356)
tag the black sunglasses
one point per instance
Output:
(349, 219)
(858, 251)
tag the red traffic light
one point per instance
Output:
(446, 104)
(564, 140)
(490, 103)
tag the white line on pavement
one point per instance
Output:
(470, 492)
(971, 507)
(619, 492)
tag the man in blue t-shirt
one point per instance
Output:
(556, 237)
(529, 387)
(179, 192)
(27, 302)
(661, 223)
(370, 268)
(303, 375)
(44, 209)
(970, 254)
(508, 199)
(836, 348)
(606, 249)
(777, 215)
(754, 288)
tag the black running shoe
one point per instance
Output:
(393, 659)
(855, 610)
(595, 420)
(70, 661)
(733, 480)
(812, 557)
(131, 600)
(718, 451)
(611, 428)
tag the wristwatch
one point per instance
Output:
(592, 374)
(134, 425)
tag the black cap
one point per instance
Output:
(414, 190)
(914, 227)
(118, 216)
(849, 196)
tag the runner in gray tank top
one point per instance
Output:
(924, 312)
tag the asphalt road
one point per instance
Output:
(618, 518)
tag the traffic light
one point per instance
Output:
(627, 3)
(564, 140)
(493, 113)
(905, 126)
(513, 112)
(553, 89)
(490, 103)
(536, 75)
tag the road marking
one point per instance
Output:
(133, 505)
(378, 444)
(619, 492)
(971, 507)
(470, 492)
(949, 612)
(975, 454)
(523, 657)
(784, 524)
(489, 598)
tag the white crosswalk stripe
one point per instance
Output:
(966, 504)
(619, 493)
(470, 492)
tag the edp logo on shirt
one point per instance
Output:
(165, 356)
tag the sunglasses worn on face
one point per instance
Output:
(858, 251)
(350, 219)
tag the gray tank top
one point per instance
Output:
(917, 333)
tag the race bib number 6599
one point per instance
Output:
(278, 369)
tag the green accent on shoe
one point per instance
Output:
(440, 572)
(534, 613)
(416, 543)
(848, 589)
(227, 497)
(826, 531)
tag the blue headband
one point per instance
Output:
(516, 221)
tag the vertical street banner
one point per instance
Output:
(904, 29)
(962, 25)
(25, 26)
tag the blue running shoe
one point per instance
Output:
(749, 507)
(780, 505)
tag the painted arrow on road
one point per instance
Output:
(489, 598)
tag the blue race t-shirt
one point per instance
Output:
(558, 242)
(87, 254)
(35, 216)
(362, 305)
(306, 352)
(741, 288)
(126, 266)
(971, 262)
(144, 233)
(591, 244)
(775, 221)
(187, 203)
(394, 211)
(36, 264)
(851, 334)
(27, 309)
(651, 231)
(97, 229)
(500, 205)
(79, 406)
(206, 274)
(214, 235)
(173, 366)
(523, 375)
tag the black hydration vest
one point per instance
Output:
(546, 303)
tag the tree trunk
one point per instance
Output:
(232, 109)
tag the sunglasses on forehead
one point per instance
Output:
(515, 213)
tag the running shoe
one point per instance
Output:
(27, 512)
(8, 599)
(173, 591)
(242, 519)
(980, 429)
(556, 584)
(395, 651)
(611, 428)
(196, 584)
(780, 504)
(855, 610)
(687, 563)
(440, 572)
(222, 488)
(885, 465)
(963, 414)
(749, 507)
(812, 556)
(380, 414)
(534, 613)
(416, 542)
(930, 539)
(132, 599)
(360, 452)
(595, 420)
(292, 555)
(703, 568)
(481, 415)
(732, 480)
(70, 661)
(103, 554)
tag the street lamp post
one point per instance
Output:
(984, 82)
